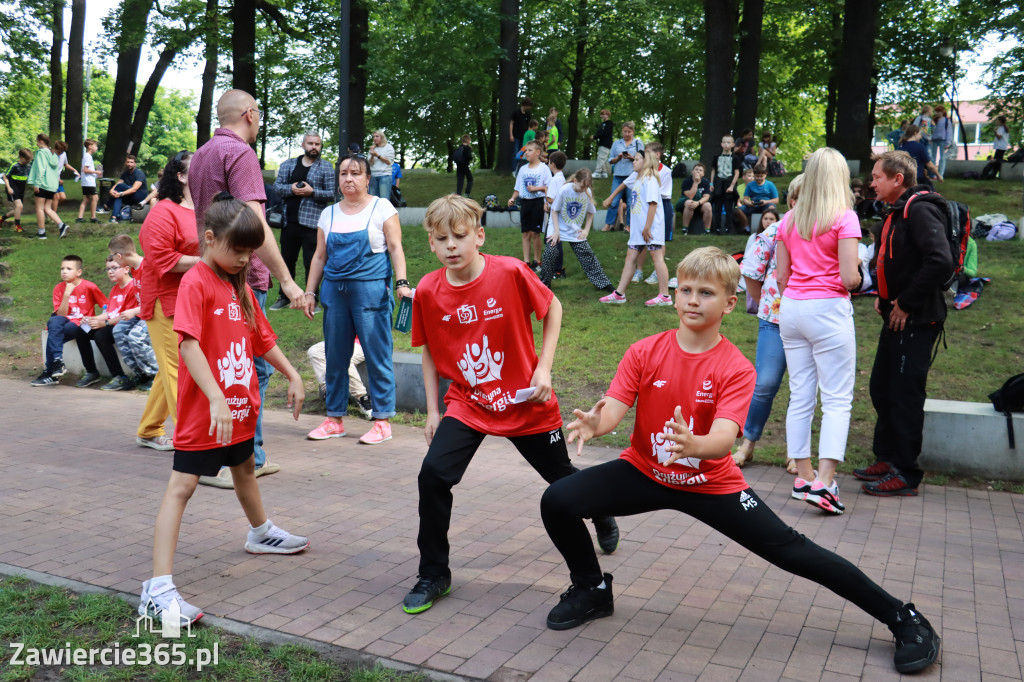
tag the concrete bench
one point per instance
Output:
(410, 395)
(970, 438)
(73, 359)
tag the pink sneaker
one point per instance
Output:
(329, 429)
(614, 297)
(380, 432)
(658, 300)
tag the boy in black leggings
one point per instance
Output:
(692, 388)
(472, 318)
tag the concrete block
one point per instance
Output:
(410, 395)
(971, 438)
(73, 360)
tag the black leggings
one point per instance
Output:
(463, 174)
(104, 338)
(448, 456)
(618, 488)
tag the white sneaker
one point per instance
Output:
(673, 283)
(274, 541)
(653, 279)
(154, 603)
(638, 276)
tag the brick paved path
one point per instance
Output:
(78, 500)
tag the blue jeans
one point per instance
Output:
(60, 329)
(939, 155)
(263, 372)
(358, 308)
(517, 144)
(380, 186)
(770, 364)
(613, 210)
(130, 199)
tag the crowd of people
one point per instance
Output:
(197, 295)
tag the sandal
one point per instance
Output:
(743, 457)
(791, 467)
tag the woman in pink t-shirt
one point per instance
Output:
(817, 266)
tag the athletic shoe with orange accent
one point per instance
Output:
(380, 432)
(329, 429)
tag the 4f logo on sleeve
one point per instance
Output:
(466, 313)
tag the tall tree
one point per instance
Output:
(243, 46)
(212, 49)
(748, 69)
(719, 17)
(148, 95)
(128, 44)
(853, 125)
(56, 70)
(76, 85)
(508, 79)
(358, 57)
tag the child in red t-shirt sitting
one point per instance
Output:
(691, 388)
(73, 299)
(221, 328)
(102, 325)
(130, 332)
(472, 318)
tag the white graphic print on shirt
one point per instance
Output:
(479, 364)
(236, 366)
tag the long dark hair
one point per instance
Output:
(169, 186)
(231, 220)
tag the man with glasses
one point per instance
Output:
(228, 164)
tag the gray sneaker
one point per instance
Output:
(118, 383)
(162, 443)
(154, 603)
(280, 304)
(88, 379)
(274, 541)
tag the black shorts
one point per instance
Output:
(209, 462)
(44, 193)
(88, 191)
(17, 196)
(531, 215)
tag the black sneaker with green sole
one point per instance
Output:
(425, 593)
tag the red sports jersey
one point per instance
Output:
(137, 278)
(206, 311)
(657, 375)
(83, 300)
(122, 298)
(481, 337)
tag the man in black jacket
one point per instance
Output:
(914, 262)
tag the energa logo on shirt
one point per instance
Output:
(236, 366)
(479, 364)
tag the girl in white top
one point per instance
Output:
(382, 155)
(60, 148)
(1002, 141)
(572, 215)
(646, 230)
(89, 174)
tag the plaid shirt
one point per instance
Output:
(323, 181)
(227, 164)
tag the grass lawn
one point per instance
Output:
(983, 341)
(45, 617)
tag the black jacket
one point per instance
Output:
(914, 259)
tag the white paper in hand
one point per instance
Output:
(523, 394)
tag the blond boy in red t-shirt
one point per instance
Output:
(691, 388)
(472, 318)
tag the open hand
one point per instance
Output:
(585, 425)
(680, 440)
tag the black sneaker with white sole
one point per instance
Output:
(45, 379)
(917, 643)
(64, 227)
(579, 604)
(58, 369)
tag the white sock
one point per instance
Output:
(158, 581)
(262, 530)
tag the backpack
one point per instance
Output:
(679, 170)
(1008, 399)
(957, 226)
(990, 171)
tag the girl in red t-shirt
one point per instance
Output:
(221, 329)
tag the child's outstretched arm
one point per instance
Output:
(430, 385)
(682, 443)
(604, 416)
(296, 391)
(199, 368)
(608, 202)
(541, 380)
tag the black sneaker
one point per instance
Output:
(280, 304)
(40, 235)
(58, 369)
(113, 219)
(119, 383)
(363, 403)
(79, 220)
(64, 227)
(144, 383)
(875, 472)
(426, 591)
(607, 533)
(917, 643)
(88, 379)
(580, 604)
(45, 379)
(94, 220)
(893, 484)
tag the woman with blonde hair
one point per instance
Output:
(381, 156)
(817, 267)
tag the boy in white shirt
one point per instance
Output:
(89, 175)
(556, 162)
(531, 187)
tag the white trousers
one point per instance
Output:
(602, 168)
(821, 355)
(318, 361)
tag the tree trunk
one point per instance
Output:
(148, 96)
(719, 17)
(243, 46)
(122, 105)
(358, 55)
(853, 125)
(481, 139)
(749, 66)
(56, 72)
(496, 132)
(508, 80)
(833, 78)
(205, 115)
(76, 85)
(576, 83)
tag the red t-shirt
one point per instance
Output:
(121, 298)
(207, 312)
(167, 234)
(657, 375)
(83, 300)
(481, 337)
(137, 278)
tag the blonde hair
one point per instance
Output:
(122, 244)
(452, 213)
(825, 193)
(650, 167)
(711, 264)
(794, 189)
(582, 180)
(383, 137)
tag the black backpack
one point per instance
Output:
(957, 228)
(1009, 399)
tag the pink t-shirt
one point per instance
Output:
(814, 264)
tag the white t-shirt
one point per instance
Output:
(535, 175)
(571, 209)
(1004, 141)
(371, 219)
(664, 181)
(645, 192)
(88, 179)
(382, 167)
